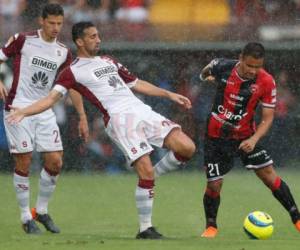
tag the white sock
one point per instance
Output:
(144, 204)
(47, 185)
(167, 164)
(21, 185)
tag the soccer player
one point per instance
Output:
(231, 132)
(37, 58)
(130, 123)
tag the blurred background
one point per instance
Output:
(168, 42)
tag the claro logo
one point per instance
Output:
(229, 115)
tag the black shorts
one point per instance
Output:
(220, 153)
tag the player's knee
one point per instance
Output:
(215, 186)
(187, 149)
(55, 164)
(22, 163)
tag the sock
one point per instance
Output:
(170, 162)
(21, 184)
(211, 202)
(144, 202)
(283, 194)
(47, 185)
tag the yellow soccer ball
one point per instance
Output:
(259, 225)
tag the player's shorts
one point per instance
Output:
(39, 132)
(136, 129)
(219, 155)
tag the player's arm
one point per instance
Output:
(17, 114)
(262, 129)
(3, 91)
(77, 102)
(147, 88)
(206, 73)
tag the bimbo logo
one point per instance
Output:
(43, 63)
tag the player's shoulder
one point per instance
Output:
(109, 58)
(266, 77)
(30, 34)
(223, 64)
(60, 44)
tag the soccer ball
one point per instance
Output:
(258, 225)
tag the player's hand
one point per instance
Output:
(180, 99)
(3, 91)
(83, 129)
(248, 145)
(210, 78)
(15, 115)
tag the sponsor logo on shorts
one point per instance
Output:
(43, 63)
(262, 152)
(143, 145)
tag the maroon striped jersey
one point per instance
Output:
(233, 110)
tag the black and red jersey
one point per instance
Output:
(236, 99)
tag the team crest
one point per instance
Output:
(58, 52)
(253, 88)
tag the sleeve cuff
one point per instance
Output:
(268, 105)
(132, 84)
(3, 57)
(61, 89)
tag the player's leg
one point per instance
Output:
(211, 203)
(218, 160)
(21, 184)
(48, 142)
(20, 139)
(47, 185)
(280, 191)
(136, 148)
(144, 196)
(162, 132)
(181, 149)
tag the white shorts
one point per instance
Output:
(38, 132)
(136, 129)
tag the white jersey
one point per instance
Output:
(35, 66)
(103, 81)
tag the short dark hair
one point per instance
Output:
(52, 9)
(79, 28)
(254, 49)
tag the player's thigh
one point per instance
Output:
(258, 158)
(218, 158)
(131, 140)
(47, 134)
(178, 141)
(20, 136)
(158, 127)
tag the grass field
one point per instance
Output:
(98, 212)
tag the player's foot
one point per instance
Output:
(30, 227)
(297, 225)
(149, 233)
(46, 220)
(210, 232)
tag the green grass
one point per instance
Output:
(98, 212)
